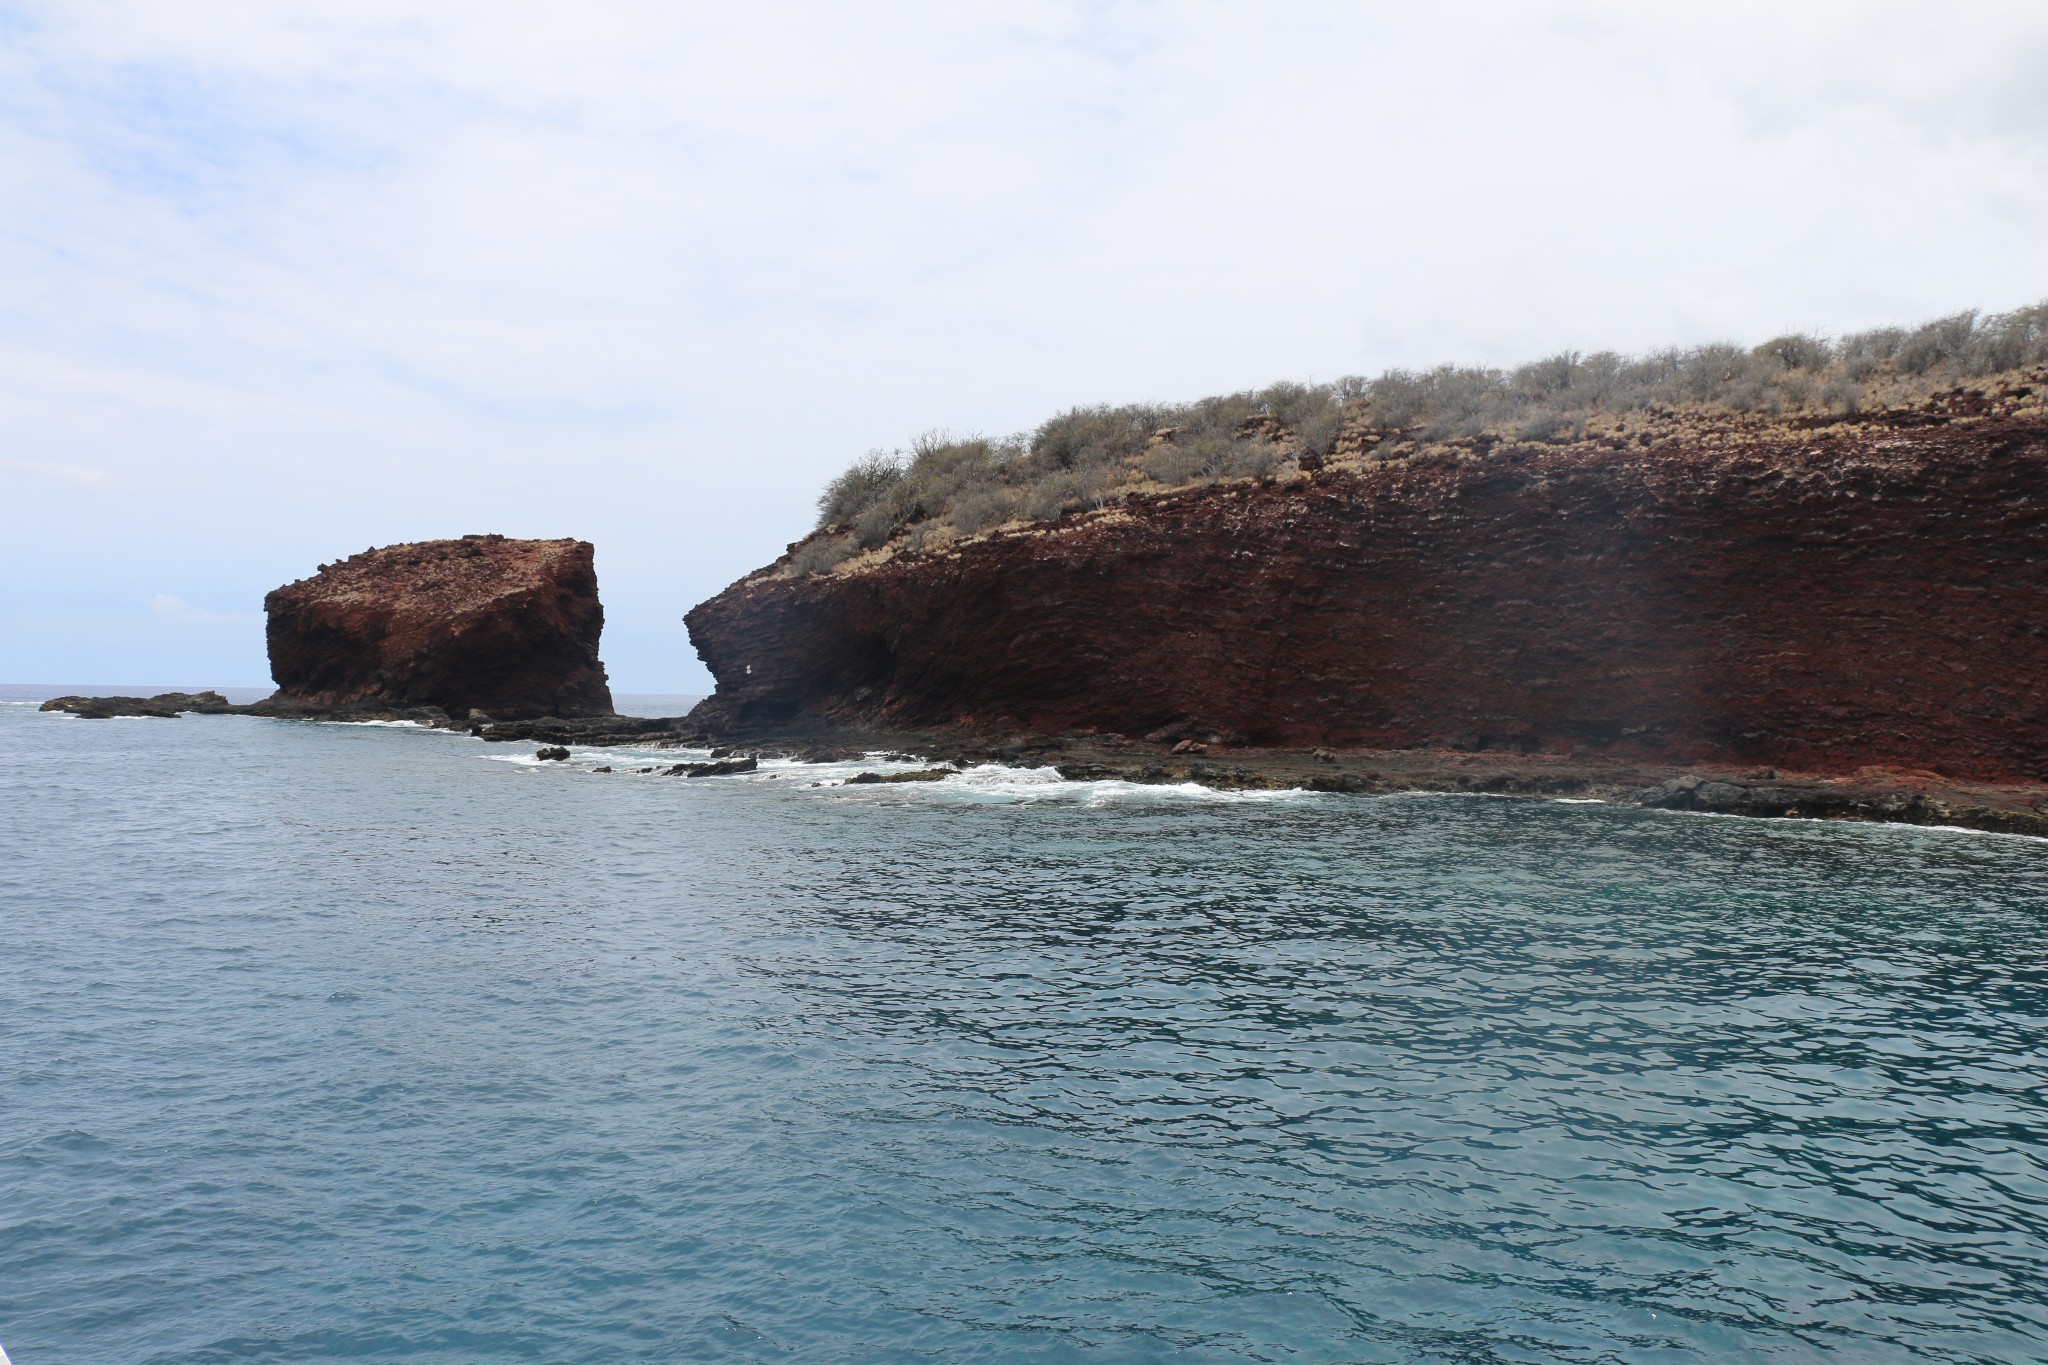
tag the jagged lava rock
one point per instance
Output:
(1875, 597)
(169, 705)
(504, 627)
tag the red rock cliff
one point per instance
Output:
(1876, 597)
(505, 627)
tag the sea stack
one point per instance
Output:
(483, 624)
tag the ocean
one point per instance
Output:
(368, 1042)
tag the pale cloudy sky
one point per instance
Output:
(280, 281)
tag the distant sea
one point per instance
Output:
(368, 1042)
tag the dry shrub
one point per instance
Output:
(820, 555)
(1080, 458)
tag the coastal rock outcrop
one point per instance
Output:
(165, 705)
(1821, 602)
(483, 624)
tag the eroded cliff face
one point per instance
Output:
(1873, 597)
(505, 627)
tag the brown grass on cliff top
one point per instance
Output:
(945, 487)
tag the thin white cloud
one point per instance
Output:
(75, 475)
(168, 608)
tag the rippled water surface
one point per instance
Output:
(323, 1042)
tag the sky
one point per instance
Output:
(281, 281)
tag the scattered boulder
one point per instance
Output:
(554, 755)
(921, 775)
(722, 768)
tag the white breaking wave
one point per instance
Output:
(984, 784)
(997, 784)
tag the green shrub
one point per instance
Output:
(981, 507)
(865, 482)
(1793, 352)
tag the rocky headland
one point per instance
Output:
(1843, 617)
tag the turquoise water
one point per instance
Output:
(359, 1042)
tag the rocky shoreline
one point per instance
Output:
(171, 705)
(1871, 794)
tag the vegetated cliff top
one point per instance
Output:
(442, 574)
(946, 488)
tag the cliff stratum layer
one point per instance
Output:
(1865, 595)
(484, 624)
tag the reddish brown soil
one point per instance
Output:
(1873, 598)
(486, 624)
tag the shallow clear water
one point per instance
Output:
(324, 1042)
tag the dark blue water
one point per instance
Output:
(336, 1042)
